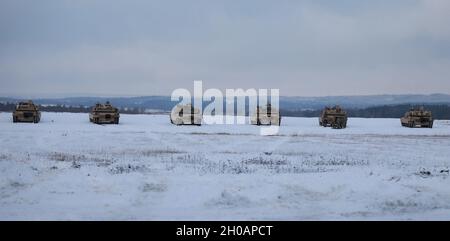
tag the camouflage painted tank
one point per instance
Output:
(104, 114)
(266, 115)
(334, 117)
(417, 118)
(186, 115)
(27, 112)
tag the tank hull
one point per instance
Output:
(107, 118)
(266, 120)
(406, 122)
(26, 117)
(335, 122)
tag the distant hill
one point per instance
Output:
(163, 103)
(440, 111)
(357, 102)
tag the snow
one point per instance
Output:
(66, 168)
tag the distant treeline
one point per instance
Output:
(9, 107)
(440, 111)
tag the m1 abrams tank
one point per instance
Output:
(266, 115)
(334, 117)
(417, 117)
(186, 115)
(27, 112)
(104, 114)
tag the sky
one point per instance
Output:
(52, 48)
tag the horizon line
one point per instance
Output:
(100, 96)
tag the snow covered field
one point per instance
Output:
(66, 168)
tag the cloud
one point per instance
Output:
(152, 47)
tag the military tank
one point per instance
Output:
(417, 118)
(334, 117)
(266, 115)
(186, 115)
(104, 114)
(26, 112)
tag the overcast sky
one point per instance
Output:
(304, 48)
